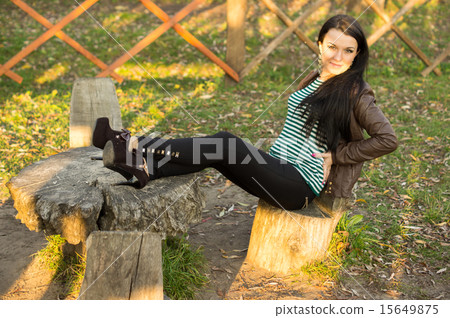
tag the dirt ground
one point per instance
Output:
(224, 233)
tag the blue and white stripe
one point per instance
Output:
(293, 146)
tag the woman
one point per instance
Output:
(321, 147)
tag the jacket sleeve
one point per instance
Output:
(382, 137)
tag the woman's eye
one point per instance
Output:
(350, 51)
(331, 47)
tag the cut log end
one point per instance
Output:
(283, 241)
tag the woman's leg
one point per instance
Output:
(255, 171)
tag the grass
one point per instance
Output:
(67, 270)
(183, 269)
(403, 197)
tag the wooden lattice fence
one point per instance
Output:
(234, 66)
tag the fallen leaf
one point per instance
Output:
(392, 276)
(412, 227)
(441, 270)
(393, 293)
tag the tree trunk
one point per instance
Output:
(283, 241)
(92, 98)
(123, 265)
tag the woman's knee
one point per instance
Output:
(224, 135)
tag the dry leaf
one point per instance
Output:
(393, 293)
(392, 276)
(240, 251)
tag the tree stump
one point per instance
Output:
(283, 241)
(92, 98)
(71, 195)
(123, 265)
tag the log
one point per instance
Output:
(123, 265)
(283, 241)
(92, 98)
(235, 57)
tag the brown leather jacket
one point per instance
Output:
(349, 157)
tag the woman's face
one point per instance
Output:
(338, 52)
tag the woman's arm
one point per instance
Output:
(382, 136)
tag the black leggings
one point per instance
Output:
(273, 180)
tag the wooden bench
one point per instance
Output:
(72, 195)
(123, 265)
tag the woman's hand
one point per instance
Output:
(327, 163)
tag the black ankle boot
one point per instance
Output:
(103, 132)
(115, 158)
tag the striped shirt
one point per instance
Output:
(293, 146)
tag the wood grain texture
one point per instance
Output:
(283, 241)
(123, 265)
(92, 98)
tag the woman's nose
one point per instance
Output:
(338, 55)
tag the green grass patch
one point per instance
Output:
(183, 269)
(68, 270)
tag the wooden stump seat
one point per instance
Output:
(283, 241)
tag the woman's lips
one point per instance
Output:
(335, 65)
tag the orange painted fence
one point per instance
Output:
(108, 70)
(235, 43)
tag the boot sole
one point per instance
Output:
(108, 155)
(109, 159)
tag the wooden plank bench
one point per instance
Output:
(123, 265)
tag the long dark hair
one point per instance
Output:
(332, 103)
